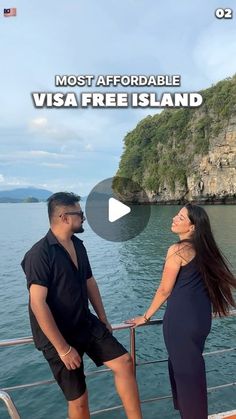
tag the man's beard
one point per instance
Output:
(79, 229)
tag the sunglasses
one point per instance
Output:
(79, 213)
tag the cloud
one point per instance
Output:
(76, 186)
(33, 155)
(55, 165)
(41, 126)
(216, 49)
(38, 122)
(39, 153)
(13, 182)
(53, 185)
(89, 147)
(101, 131)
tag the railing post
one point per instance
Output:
(133, 347)
(10, 405)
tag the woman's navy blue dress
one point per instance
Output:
(186, 324)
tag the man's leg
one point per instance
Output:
(72, 383)
(126, 385)
(78, 408)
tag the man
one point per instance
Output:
(60, 283)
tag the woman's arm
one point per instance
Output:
(169, 275)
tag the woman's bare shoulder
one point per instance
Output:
(182, 250)
(174, 248)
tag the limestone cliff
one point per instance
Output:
(215, 173)
(187, 154)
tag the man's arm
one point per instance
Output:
(96, 301)
(43, 314)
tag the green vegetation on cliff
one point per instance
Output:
(160, 150)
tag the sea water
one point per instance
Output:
(128, 274)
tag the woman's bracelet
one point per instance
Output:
(147, 319)
(69, 350)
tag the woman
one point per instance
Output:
(196, 281)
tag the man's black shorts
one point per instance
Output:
(101, 346)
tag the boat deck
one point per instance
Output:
(225, 415)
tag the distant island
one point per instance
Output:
(25, 195)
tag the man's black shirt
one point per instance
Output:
(49, 264)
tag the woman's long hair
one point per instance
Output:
(213, 265)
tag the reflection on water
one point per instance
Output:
(128, 274)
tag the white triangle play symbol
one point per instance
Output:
(117, 210)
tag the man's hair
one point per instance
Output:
(59, 199)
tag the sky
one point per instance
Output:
(74, 149)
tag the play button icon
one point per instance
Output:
(116, 210)
(113, 209)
